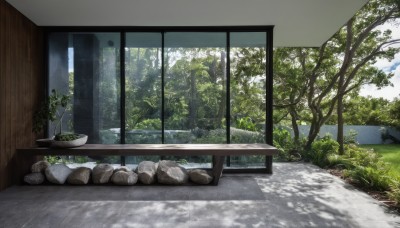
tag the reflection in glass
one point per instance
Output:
(86, 66)
(195, 89)
(248, 101)
(142, 91)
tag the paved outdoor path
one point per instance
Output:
(296, 195)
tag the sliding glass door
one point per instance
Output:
(167, 86)
(143, 91)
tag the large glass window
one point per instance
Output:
(195, 65)
(143, 91)
(248, 93)
(179, 87)
(86, 67)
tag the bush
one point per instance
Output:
(362, 157)
(351, 137)
(338, 161)
(246, 123)
(288, 149)
(394, 193)
(149, 124)
(321, 149)
(353, 156)
(372, 178)
(243, 136)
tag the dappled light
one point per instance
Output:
(296, 195)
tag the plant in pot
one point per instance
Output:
(53, 109)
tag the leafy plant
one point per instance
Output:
(53, 110)
(321, 149)
(370, 177)
(288, 149)
(66, 137)
(149, 124)
(351, 137)
(394, 193)
(246, 123)
(54, 159)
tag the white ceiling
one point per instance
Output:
(306, 23)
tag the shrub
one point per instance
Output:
(351, 137)
(370, 177)
(149, 124)
(243, 136)
(288, 149)
(246, 123)
(361, 157)
(338, 161)
(394, 193)
(54, 159)
(321, 149)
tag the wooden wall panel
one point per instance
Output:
(21, 86)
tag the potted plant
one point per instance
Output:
(53, 109)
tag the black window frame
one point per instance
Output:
(122, 30)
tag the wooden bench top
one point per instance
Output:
(156, 149)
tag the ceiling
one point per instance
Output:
(305, 23)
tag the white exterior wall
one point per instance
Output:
(366, 134)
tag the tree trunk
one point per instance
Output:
(294, 116)
(340, 137)
(193, 100)
(312, 135)
(222, 104)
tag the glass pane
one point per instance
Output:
(195, 90)
(248, 93)
(143, 91)
(86, 67)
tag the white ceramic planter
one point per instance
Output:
(69, 144)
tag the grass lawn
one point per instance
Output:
(390, 153)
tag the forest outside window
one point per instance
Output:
(165, 87)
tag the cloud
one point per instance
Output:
(387, 66)
(388, 92)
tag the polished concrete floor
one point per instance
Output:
(296, 195)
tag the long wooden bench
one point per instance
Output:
(217, 151)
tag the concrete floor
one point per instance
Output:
(296, 195)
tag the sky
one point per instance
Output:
(389, 92)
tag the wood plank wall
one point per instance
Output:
(21, 86)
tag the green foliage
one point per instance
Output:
(361, 110)
(149, 124)
(362, 157)
(213, 136)
(390, 154)
(246, 123)
(351, 137)
(52, 109)
(370, 177)
(316, 78)
(394, 113)
(54, 160)
(66, 137)
(109, 137)
(288, 149)
(321, 149)
(182, 161)
(339, 161)
(243, 136)
(363, 167)
(394, 193)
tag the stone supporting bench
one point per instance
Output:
(217, 151)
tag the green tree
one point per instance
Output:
(394, 113)
(341, 65)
